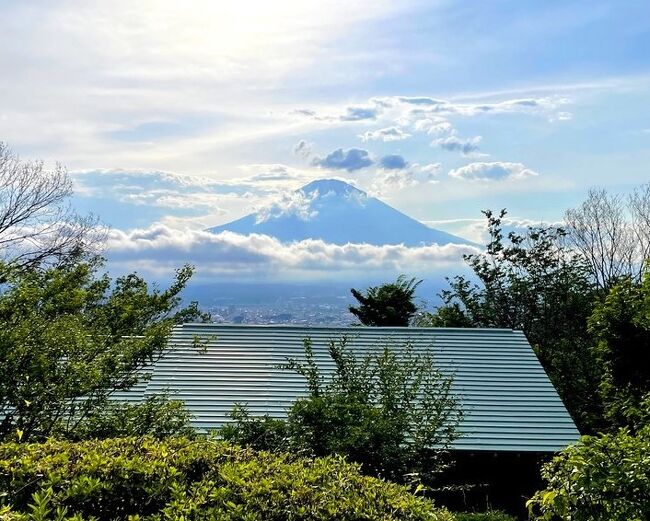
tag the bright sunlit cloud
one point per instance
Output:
(195, 113)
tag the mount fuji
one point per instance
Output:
(337, 212)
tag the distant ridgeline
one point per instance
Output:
(337, 212)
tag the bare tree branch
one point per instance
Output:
(37, 223)
(639, 203)
(613, 233)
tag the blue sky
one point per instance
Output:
(173, 117)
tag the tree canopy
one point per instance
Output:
(612, 234)
(533, 282)
(70, 338)
(389, 304)
(620, 325)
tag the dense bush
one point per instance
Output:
(391, 411)
(257, 432)
(603, 478)
(621, 326)
(157, 415)
(493, 515)
(178, 478)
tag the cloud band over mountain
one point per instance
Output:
(159, 249)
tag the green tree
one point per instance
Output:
(390, 304)
(602, 478)
(621, 326)
(389, 410)
(533, 282)
(70, 338)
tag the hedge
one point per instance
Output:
(182, 479)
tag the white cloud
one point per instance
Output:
(436, 127)
(270, 173)
(385, 134)
(431, 115)
(392, 180)
(289, 203)
(302, 149)
(159, 249)
(431, 171)
(172, 190)
(467, 147)
(192, 201)
(432, 106)
(494, 171)
(408, 115)
(181, 200)
(346, 114)
(158, 189)
(476, 230)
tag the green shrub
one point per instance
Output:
(602, 478)
(256, 432)
(157, 415)
(391, 411)
(492, 515)
(148, 479)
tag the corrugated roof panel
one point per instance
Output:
(137, 392)
(509, 403)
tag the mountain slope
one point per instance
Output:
(339, 213)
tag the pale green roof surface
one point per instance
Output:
(509, 402)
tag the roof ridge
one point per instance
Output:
(351, 328)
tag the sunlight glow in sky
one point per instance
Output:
(175, 116)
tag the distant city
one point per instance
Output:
(275, 303)
(293, 311)
(284, 303)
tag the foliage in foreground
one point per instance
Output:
(391, 410)
(183, 479)
(70, 338)
(602, 478)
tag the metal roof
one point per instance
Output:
(508, 400)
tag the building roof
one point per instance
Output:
(508, 400)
